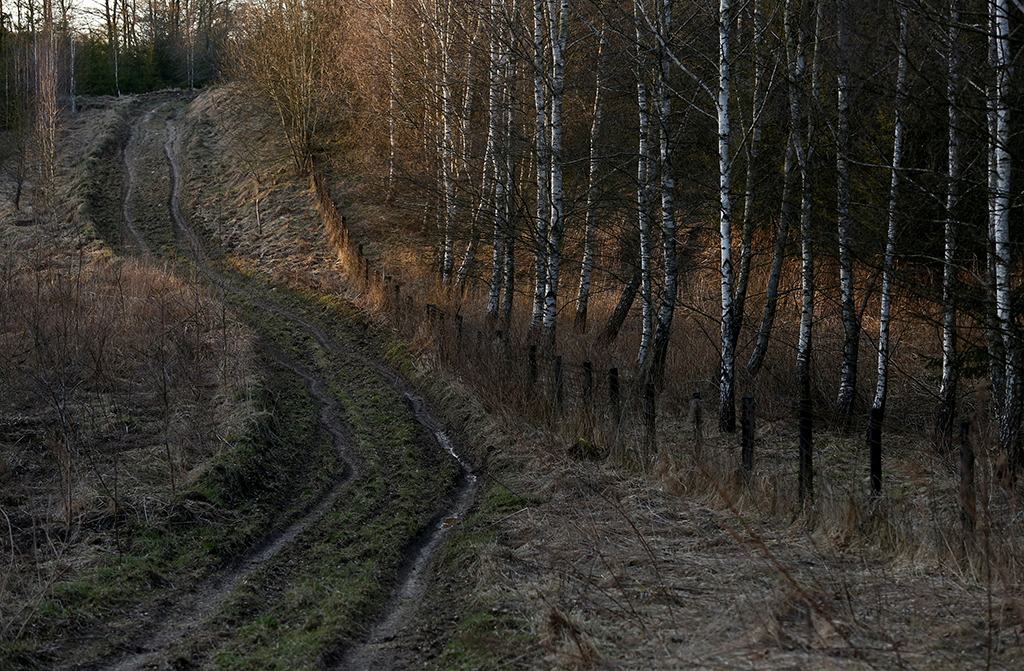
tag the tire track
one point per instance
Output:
(375, 649)
(186, 618)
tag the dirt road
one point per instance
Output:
(310, 346)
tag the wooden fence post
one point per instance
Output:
(806, 424)
(697, 421)
(875, 449)
(650, 418)
(747, 440)
(613, 395)
(967, 500)
(558, 380)
(588, 384)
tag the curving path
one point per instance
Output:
(184, 619)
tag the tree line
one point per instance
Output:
(867, 147)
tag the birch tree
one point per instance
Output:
(999, 208)
(670, 282)
(950, 366)
(806, 159)
(751, 213)
(558, 23)
(851, 319)
(881, 388)
(644, 188)
(727, 400)
(542, 150)
(795, 66)
(590, 241)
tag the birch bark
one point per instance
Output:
(805, 340)
(851, 319)
(950, 367)
(881, 388)
(727, 398)
(1010, 418)
(795, 66)
(587, 265)
(543, 159)
(558, 20)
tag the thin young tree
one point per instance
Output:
(590, 241)
(844, 219)
(885, 312)
(727, 400)
(999, 208)
(805, 342)
(795, 68)
(950, 366)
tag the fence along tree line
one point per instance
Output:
(541, 81)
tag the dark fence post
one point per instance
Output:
(650, 418)
(558, 380)
(588, 384)
(875, 448)
(697, 419)
(613, 395)
(967, 501)
(747, 440)
(806, 423)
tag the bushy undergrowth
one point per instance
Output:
(119, 380)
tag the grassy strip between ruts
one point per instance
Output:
(314, 597)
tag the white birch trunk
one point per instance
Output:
(805, 341)
(851, 320)
(558, 19)
(787, 212)
(543, 159)
(643, 193)
(881, 388)
(1010, 418)
(950, 366)
(996, 353)
(590, 241)
(750, 215)
(447, 156)
(495, 117)
(727, 406)
(670, 288)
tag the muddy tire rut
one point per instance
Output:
(177, 626)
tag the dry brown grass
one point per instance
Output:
(119, 380)
(678, 559)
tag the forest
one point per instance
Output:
(830, 163)
(552, 334)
